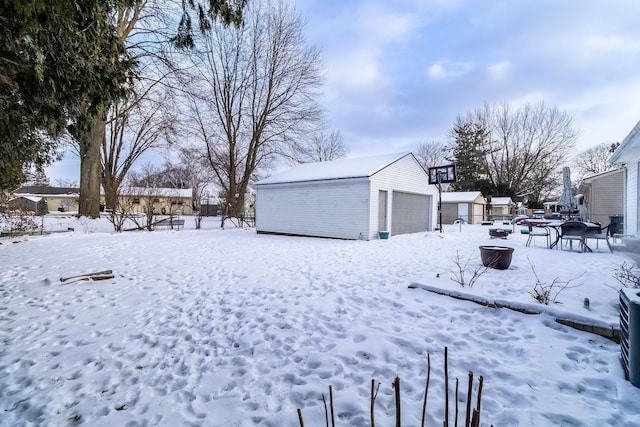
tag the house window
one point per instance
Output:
(156, 200)
(136, 200)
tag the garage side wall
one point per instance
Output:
(403, 176)
(331, 208)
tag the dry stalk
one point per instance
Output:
(627, 276)
(469, 391)
(548, 293)
(460, 275)
(326, 412)
(396, 386)
(446, 387)
(455, 423)
(373, 400)
(426, 390)
(333, 418)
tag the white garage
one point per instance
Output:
(348, 198)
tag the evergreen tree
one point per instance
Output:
(470, 138)
(59, 59)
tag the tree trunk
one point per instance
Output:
(91, 167)
(111, 188)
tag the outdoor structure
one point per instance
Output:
(348, 199)
(57, 198)
(627, 156)
(469, 206)
(502, 208)
(602, 196)
(37, 205)
(135, 199)
(162, 201)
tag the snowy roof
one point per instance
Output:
(501, 201)
(362, 167)
(590, 178)
(160, 192)
(47, 191)
(35, 199)
(462, 197)
(629, 149)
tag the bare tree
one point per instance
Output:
(432, 153)
(525, 146)
(255, 91)
(324, 145)
(143, 28)
(142, 122)
(191, 171)
(144, 185)
(595, 160)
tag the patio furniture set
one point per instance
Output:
(563, 232)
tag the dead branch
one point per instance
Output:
(97, 273)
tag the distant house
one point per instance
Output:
(137, 199)
(162, 201)
(470, 206)
(601, 196)
(58, 198)
(502, 208)
(37, 205)
(627, 156)
(348, 198)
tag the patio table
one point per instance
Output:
(557, 227)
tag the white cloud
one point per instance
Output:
(365, 37)
(499, 70)
(446, 68)
(612, 43)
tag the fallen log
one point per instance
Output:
(97, 273)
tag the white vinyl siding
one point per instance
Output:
(404, 175)
(631, 216)
(334, 208)
(606, 197)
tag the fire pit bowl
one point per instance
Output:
(498, 257)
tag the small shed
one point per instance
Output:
(502, 208)
(37, 205)
(467, 205)
(348, 198)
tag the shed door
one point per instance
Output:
(410, 213)
(463, 211)
(382, 210)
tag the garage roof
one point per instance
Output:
(338, 169)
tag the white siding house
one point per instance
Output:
(627, 155)
(348, 198)
(602, 196)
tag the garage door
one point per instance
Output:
(410, 212)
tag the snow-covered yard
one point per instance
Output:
(231, 328)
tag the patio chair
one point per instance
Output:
(538, 232)
(575, 231)
(600, 233)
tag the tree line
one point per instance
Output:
(228, 82)
(501, 150)
(231, 88)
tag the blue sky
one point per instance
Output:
(399, 72)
